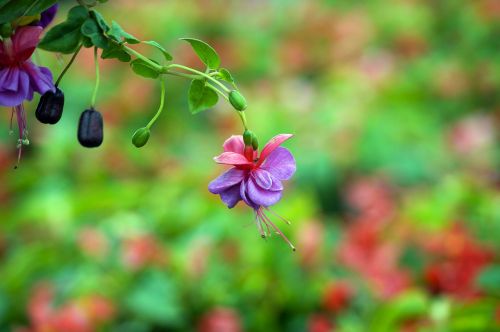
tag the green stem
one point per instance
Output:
(174, 65)
(241, 114)
(211, 87)
(138, 55)
(182, 75)
(68, 65)
(162, 102)
(243, 118)
(96, 87)
(199, 74)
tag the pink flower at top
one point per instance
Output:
(19, 77)
(257, 180)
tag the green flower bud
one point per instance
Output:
(247, 137)
(141, 137)
(237, 100)
(6, 30)
(255, 142)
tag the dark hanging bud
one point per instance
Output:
(237, 100)
(50, 107)
(255, 142)
(90, 128)
(141, 137)
(247, 137)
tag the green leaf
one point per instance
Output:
(155, 298)
(141, 68)
(158, 46)
(13, 9)
(91, 29)
(489, 280)
(201, 97)
(389, 316)
(115, 52)
(225, 75)
(100, 20)
(65, 37)
(87, 42)
(119, 35)
(205, 52)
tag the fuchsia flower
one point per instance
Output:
(255, 180)
(19, 76)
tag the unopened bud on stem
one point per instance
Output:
(237, 100)
(247, 137)
(141, 137)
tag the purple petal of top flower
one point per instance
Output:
(280, 163)
(245, 197)
(260, 196)
(273, 144)
(231, 196)
(266, 180)
(227, 179)
(41, 78)
(48, 15)
(14, 86)
(19, 77)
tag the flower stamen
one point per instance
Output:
(277, 215)
(265, 219)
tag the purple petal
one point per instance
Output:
(231, 196)
(9, 79)
(40, 77)
(280, 163)
(261, 196)
(10, 94)
(245, 197)
(48, 15)
(226, 180)
(266, 180)
(272, 145)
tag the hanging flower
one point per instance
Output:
(19, 76)
(257, 180)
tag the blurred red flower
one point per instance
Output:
(337, 296)
(81, 315)
(319, 323)
(310, 242)
(458, 259)
(364, 251)
(371, 199)
(472, 133)
(93, 242)
(220, 320)
(142, 250)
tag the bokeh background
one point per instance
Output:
(395, 204)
